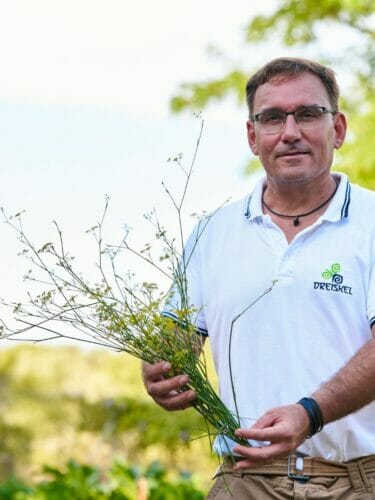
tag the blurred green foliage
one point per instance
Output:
(306, 25)
(121, 482)
(59, 404)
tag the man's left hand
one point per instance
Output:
(284, 428)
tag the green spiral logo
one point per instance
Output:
(326, 274)
(334, 269)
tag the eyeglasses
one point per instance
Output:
(271, 121)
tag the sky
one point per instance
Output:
(84, 113)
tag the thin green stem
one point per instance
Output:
(236, 318)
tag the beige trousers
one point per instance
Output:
(248, 486)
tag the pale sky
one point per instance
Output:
(84, 93)
(115, 55)
(84, 112)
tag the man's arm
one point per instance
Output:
(352, 387)
(286, 427)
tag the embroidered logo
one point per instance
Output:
(333, 281)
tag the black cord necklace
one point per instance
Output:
(297, 217)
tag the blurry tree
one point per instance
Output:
(14, 448)
(142, 423)
(61, 403)
(14, 439)
(304, 25)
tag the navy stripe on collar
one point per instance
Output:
(345, 207)
(200, 331)
(372, 322)
(248, 213)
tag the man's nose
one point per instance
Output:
(291, 130)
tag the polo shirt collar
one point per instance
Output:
(338, 208)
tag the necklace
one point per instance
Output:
(297, 216)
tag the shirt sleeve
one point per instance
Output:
(371, 298)
(184, 302)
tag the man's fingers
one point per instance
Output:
(178, 401)
(164, 387)
(254, 456)
(170, 393)
(154, 372)
(272, 434)
(267, 420)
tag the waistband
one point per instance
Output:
(302, 468)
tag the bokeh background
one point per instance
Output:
(95, 97)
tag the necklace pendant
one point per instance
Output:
(296, 222)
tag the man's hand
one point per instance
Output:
(285, 428)
(166, 392)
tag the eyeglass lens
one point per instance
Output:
(307, 117)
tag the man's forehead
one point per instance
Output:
(295, 90)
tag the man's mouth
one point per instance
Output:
(292, 153)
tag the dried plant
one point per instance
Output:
(117, 313)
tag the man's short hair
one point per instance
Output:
(290, 67)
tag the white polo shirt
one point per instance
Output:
(318, 314)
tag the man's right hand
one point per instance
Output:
(166, 392)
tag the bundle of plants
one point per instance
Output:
(113, 311)
(116, 313)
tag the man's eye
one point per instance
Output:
(271, 118)
(309, 114)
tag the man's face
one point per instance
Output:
(295, 155)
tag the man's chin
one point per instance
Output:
(293, 174)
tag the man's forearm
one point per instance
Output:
(351, 388)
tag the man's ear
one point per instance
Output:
(251, 136)
(340, 129)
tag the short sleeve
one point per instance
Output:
(186, 292)
(371, 298)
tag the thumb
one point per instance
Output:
(267, 420)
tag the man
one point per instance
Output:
(303, 357)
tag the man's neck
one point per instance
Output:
(292, 198)
(295, 207)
